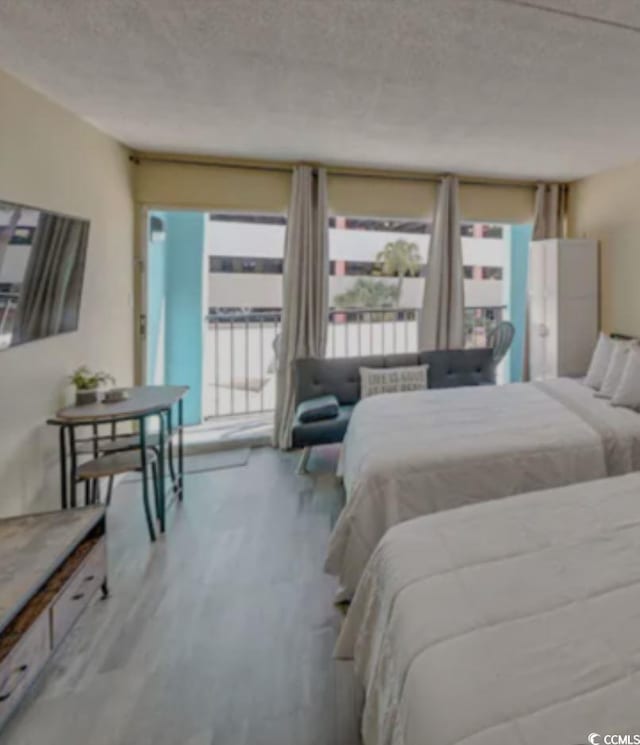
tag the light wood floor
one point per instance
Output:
(221, 634)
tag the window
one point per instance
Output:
(492, 272)
(377, 269)
(244, 265)
(492, 231)
(156, 228)
(377, 225)
(466, 230)
(484, 254)
(377, 277)
(245, 246)
(244, 219)
(245, 257)
(480, 230)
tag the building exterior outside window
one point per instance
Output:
(377, 273)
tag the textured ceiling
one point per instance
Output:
(493, 87)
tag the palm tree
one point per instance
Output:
(399, 258)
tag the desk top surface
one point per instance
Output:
(32, 547)
(145, 399)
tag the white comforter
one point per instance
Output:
(411, 454)
(507, 623)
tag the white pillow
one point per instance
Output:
(599, 362)
(628, 391)
(377, 380)
(614, 371)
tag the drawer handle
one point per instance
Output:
(19, 673)
(90, 578)
(77, 596)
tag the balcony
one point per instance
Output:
(241, 348)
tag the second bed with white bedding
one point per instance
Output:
(507, 623)
(411, 454)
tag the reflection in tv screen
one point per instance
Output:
(42, 258)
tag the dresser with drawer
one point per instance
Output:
(51, 566)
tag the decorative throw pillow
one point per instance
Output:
(615, 369)
(377, 380)
(317, 409)
(628, 391)
(599, 362)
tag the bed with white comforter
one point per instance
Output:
(506, 623)
(411, 454)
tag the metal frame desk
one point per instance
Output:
(144, 402)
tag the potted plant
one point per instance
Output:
(88, 383)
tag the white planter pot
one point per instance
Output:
(87, 396)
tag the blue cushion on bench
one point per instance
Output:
(316, 409)
(323, 432)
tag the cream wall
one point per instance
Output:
(606, 207)
(50, 158)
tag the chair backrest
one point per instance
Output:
(500, 339)
(340, 377)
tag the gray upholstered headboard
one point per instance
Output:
(341, 376)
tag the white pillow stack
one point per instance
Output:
(599, 362)
(627, 392)
(614, 371)
(616, 366)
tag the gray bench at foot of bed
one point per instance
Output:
(340, 377)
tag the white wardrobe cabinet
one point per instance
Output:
(563, 307)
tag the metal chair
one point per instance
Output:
(115, 454)
(120, 462)
(115, 443)
(499, 339)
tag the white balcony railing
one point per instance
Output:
(241, 348)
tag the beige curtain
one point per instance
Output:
(548, 222)
(549, 211)
(305, 290)
(441, 321)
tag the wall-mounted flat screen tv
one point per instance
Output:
(42, 258)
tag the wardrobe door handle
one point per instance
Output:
(77, 596)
